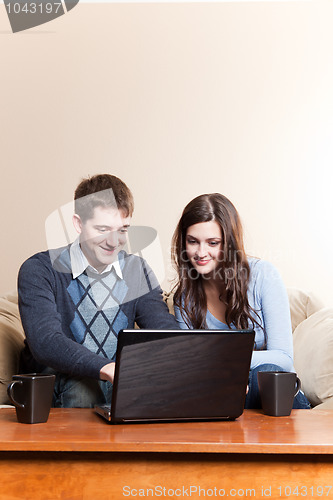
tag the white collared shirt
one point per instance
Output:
(80, 263)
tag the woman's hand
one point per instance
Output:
(107, 372)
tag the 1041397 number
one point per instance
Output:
(304, 491)
(33, 8)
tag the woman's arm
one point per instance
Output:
(271, 295)
(179, 319)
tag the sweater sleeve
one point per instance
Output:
(43, 327)
(273, 299)
(151, 312)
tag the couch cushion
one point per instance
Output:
(168, 299)
(11, 342)
(11, 297)
(313, 355)
(328, 405)
(302, 305)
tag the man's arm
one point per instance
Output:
(151, 311)
(42, 323)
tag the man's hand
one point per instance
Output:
(107, 372)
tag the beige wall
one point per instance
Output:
(177, 99)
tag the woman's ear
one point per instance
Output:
(77, 223)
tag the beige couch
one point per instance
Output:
(11, 342)
(312, 332)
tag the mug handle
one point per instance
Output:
(11, 395)
(298, 386)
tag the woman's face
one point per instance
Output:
(204, 246)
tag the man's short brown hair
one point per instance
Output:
(103, 190)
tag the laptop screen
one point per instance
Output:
(181, 374)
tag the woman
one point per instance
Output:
(219, 287)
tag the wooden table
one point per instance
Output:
(76, 455)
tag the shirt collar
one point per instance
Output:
(79, 262)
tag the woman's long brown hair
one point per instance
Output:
(233, 270)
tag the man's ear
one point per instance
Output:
(77, 223)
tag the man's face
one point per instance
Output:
(103, 236)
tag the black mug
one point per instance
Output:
(32, 396)
(277, 392)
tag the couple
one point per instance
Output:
(74, 301)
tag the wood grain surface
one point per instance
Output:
(77, 456)
(72, 429)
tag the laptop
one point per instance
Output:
(179, 375)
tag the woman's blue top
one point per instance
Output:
(268, 297)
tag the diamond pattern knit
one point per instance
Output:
(97, 316)
(72, 325)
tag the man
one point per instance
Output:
(74, 301)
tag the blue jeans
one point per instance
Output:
(253, 396)
(79, 392)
